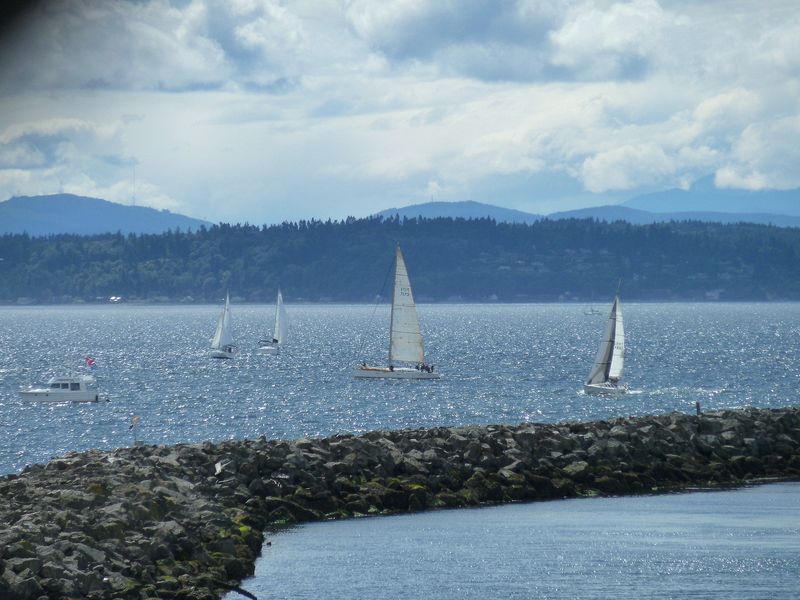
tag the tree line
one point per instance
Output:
(448, 259)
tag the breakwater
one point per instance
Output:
(186, 521)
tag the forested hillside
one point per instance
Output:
(469, 260)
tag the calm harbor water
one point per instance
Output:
(499, 364)
(739, 544)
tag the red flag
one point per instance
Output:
(89, 361)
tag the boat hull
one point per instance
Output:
(45, 395)
(604, 389)
(368, 372)
(267, 350)
(220, 354)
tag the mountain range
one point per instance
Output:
(705, 196)
(68, 213)
(702, 202)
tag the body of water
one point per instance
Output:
(499, 364)
(739, 544)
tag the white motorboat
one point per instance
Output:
(272, 345)
(68, 388)
(405, 337)
(222, 342)
(607, 370)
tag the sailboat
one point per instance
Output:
(222, 342)
(272, 345)
(405, 337)
(607, 370)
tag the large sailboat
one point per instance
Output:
(405, 337)
(607, 370)
(222, 342)
(272, 345)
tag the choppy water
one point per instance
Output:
(740, 544)
(500, 363)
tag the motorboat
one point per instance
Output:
(67, 388)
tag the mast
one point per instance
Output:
(279, 332)
(397, 256)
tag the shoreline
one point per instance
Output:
(600, 304)
(186, 521)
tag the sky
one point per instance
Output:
(262, 111)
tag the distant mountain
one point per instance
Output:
(704, 196)
(464, 210)
(643, 217)
(67, 213)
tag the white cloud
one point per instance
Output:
(765, 155)
(264, 110)
(737, 106)
(619, 40)
(626, 167)
(72, 155)
(142, 193)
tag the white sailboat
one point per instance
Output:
(405, 337)
(273, 344)
(222, 342)
(607, 370)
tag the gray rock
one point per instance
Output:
(161, 521)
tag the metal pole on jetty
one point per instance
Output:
(134, 423)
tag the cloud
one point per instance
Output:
(46, 143)
(765, 155)
(620, 40)
(264, 110)
(73, 155)
(153, 45)
(626, 167)
(142, 193)
(478, 38)
(521, 40)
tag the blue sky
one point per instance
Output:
(264, 111)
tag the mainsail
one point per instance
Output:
(223, 335)
(279, 332)
(405, 341)
(611, 355)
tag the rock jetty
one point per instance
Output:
(187, 521)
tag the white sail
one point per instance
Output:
(610, 356)
(280, 330)
(618, 352)
(405, 342)
(223, 336)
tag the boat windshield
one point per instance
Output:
(74, 387)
